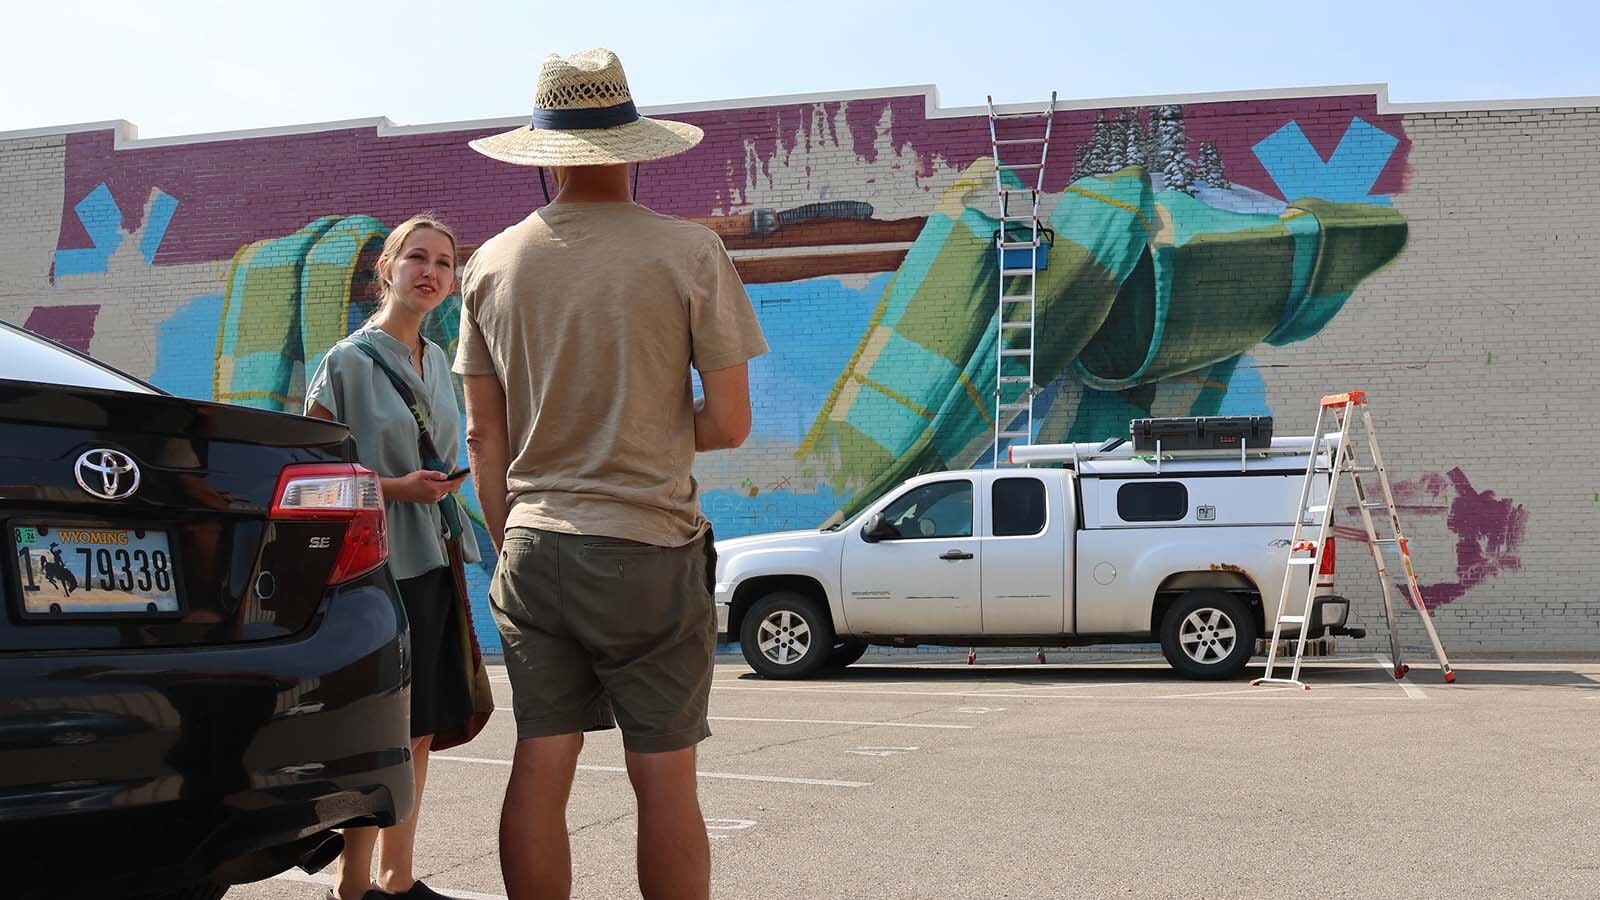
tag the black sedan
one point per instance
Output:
(203, 659)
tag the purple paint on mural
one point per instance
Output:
(69, 325)
(1488, 530)
(239, 191)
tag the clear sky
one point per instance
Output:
(189, 66)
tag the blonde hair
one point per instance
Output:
(397, 242)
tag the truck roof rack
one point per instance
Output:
(1075, 455)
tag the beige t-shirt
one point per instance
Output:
(591, 315)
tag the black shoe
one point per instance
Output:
(371, 894)
(417, 891)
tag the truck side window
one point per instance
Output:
(1153, 501)
(1018, 506)
(942, 509)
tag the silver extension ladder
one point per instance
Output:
(1018, 284)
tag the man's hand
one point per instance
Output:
(489, 449)
(722, 416)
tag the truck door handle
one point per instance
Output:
(955, 554)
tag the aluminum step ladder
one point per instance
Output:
(1343, 458)
(1019, 237)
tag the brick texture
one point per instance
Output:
(1466, 252)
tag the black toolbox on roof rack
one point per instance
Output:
(1201, 433)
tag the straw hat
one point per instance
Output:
(583, 115)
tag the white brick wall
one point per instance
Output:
(1504, 213)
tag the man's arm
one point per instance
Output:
(722, 416)
(489, 449)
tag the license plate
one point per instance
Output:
(76, 570)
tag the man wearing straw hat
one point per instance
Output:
(579, 326)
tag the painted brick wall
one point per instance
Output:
(1285, 245)
(1476, 347)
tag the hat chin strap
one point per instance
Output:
(546, 188)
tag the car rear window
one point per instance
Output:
(25, 356)
(1153, 501)
(1018, 506)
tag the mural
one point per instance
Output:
(1488, 529)
(1183, 239)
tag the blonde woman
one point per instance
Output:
(392, 387)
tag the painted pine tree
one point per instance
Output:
(1100, 158)
(1150, 143)
(1177, 169)
(1210, 168)
(1082, 163)
(1116, 138)
(1134, 138)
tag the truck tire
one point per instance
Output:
(845, 652)
(786, 635)
(1208, 634)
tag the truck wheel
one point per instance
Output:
(786, 635)
(1208, 634)
(845, 652)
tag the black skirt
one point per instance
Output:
(441, 699)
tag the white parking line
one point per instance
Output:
(1060, 687)
(1013, 695)
(726, 776)
(814, 721)
(836, 722)
(714, 826)
(327, 881)
(1412, 691)
(1258, 690)
(868, 692)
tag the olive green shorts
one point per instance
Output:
(600, 632)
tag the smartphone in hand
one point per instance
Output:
(459, 473)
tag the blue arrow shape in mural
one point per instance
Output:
(102, 220)
(1346, 177)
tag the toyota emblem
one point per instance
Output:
(107, 474)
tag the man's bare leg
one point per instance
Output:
(674, 852)
(535, 855)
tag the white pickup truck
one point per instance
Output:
(1106, 546)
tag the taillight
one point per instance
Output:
(338, 492)
(1329, 557)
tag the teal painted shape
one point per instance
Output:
(1103, 414)
(338, 247)
(260, 377)
(1192, 219)
(910, 369)
(1304, 316)
(1111, 216)
(890, 423)
(958, 421)
(919, 260)
(180, 370)
(1346, 177)
(102, 221)
(1243, 392)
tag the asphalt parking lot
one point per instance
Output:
(921, 777)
